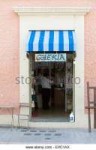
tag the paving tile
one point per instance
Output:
(42, 131)
(33, 130)
(48, 134)
(57, 134)
(47, 138)
(52, 131)
(37, 134)
(27, 134)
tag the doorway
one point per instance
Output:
(61, 97)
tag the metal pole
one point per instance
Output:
(89, 118)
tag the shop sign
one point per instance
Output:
(50, 57)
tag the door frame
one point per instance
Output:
(67, 18)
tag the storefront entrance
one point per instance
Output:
(57, 19)
(59, 68)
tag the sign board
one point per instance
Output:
(58, 57)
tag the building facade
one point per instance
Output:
(16, 19)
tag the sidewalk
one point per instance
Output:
(45, 136)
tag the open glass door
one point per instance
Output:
(69, 84)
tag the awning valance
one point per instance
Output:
(51, 41)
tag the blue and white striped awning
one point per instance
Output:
(51, 41)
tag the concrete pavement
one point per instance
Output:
(46, 136)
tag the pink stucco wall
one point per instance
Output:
(9, 44)
(9, 54)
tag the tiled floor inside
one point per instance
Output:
(50, 115)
